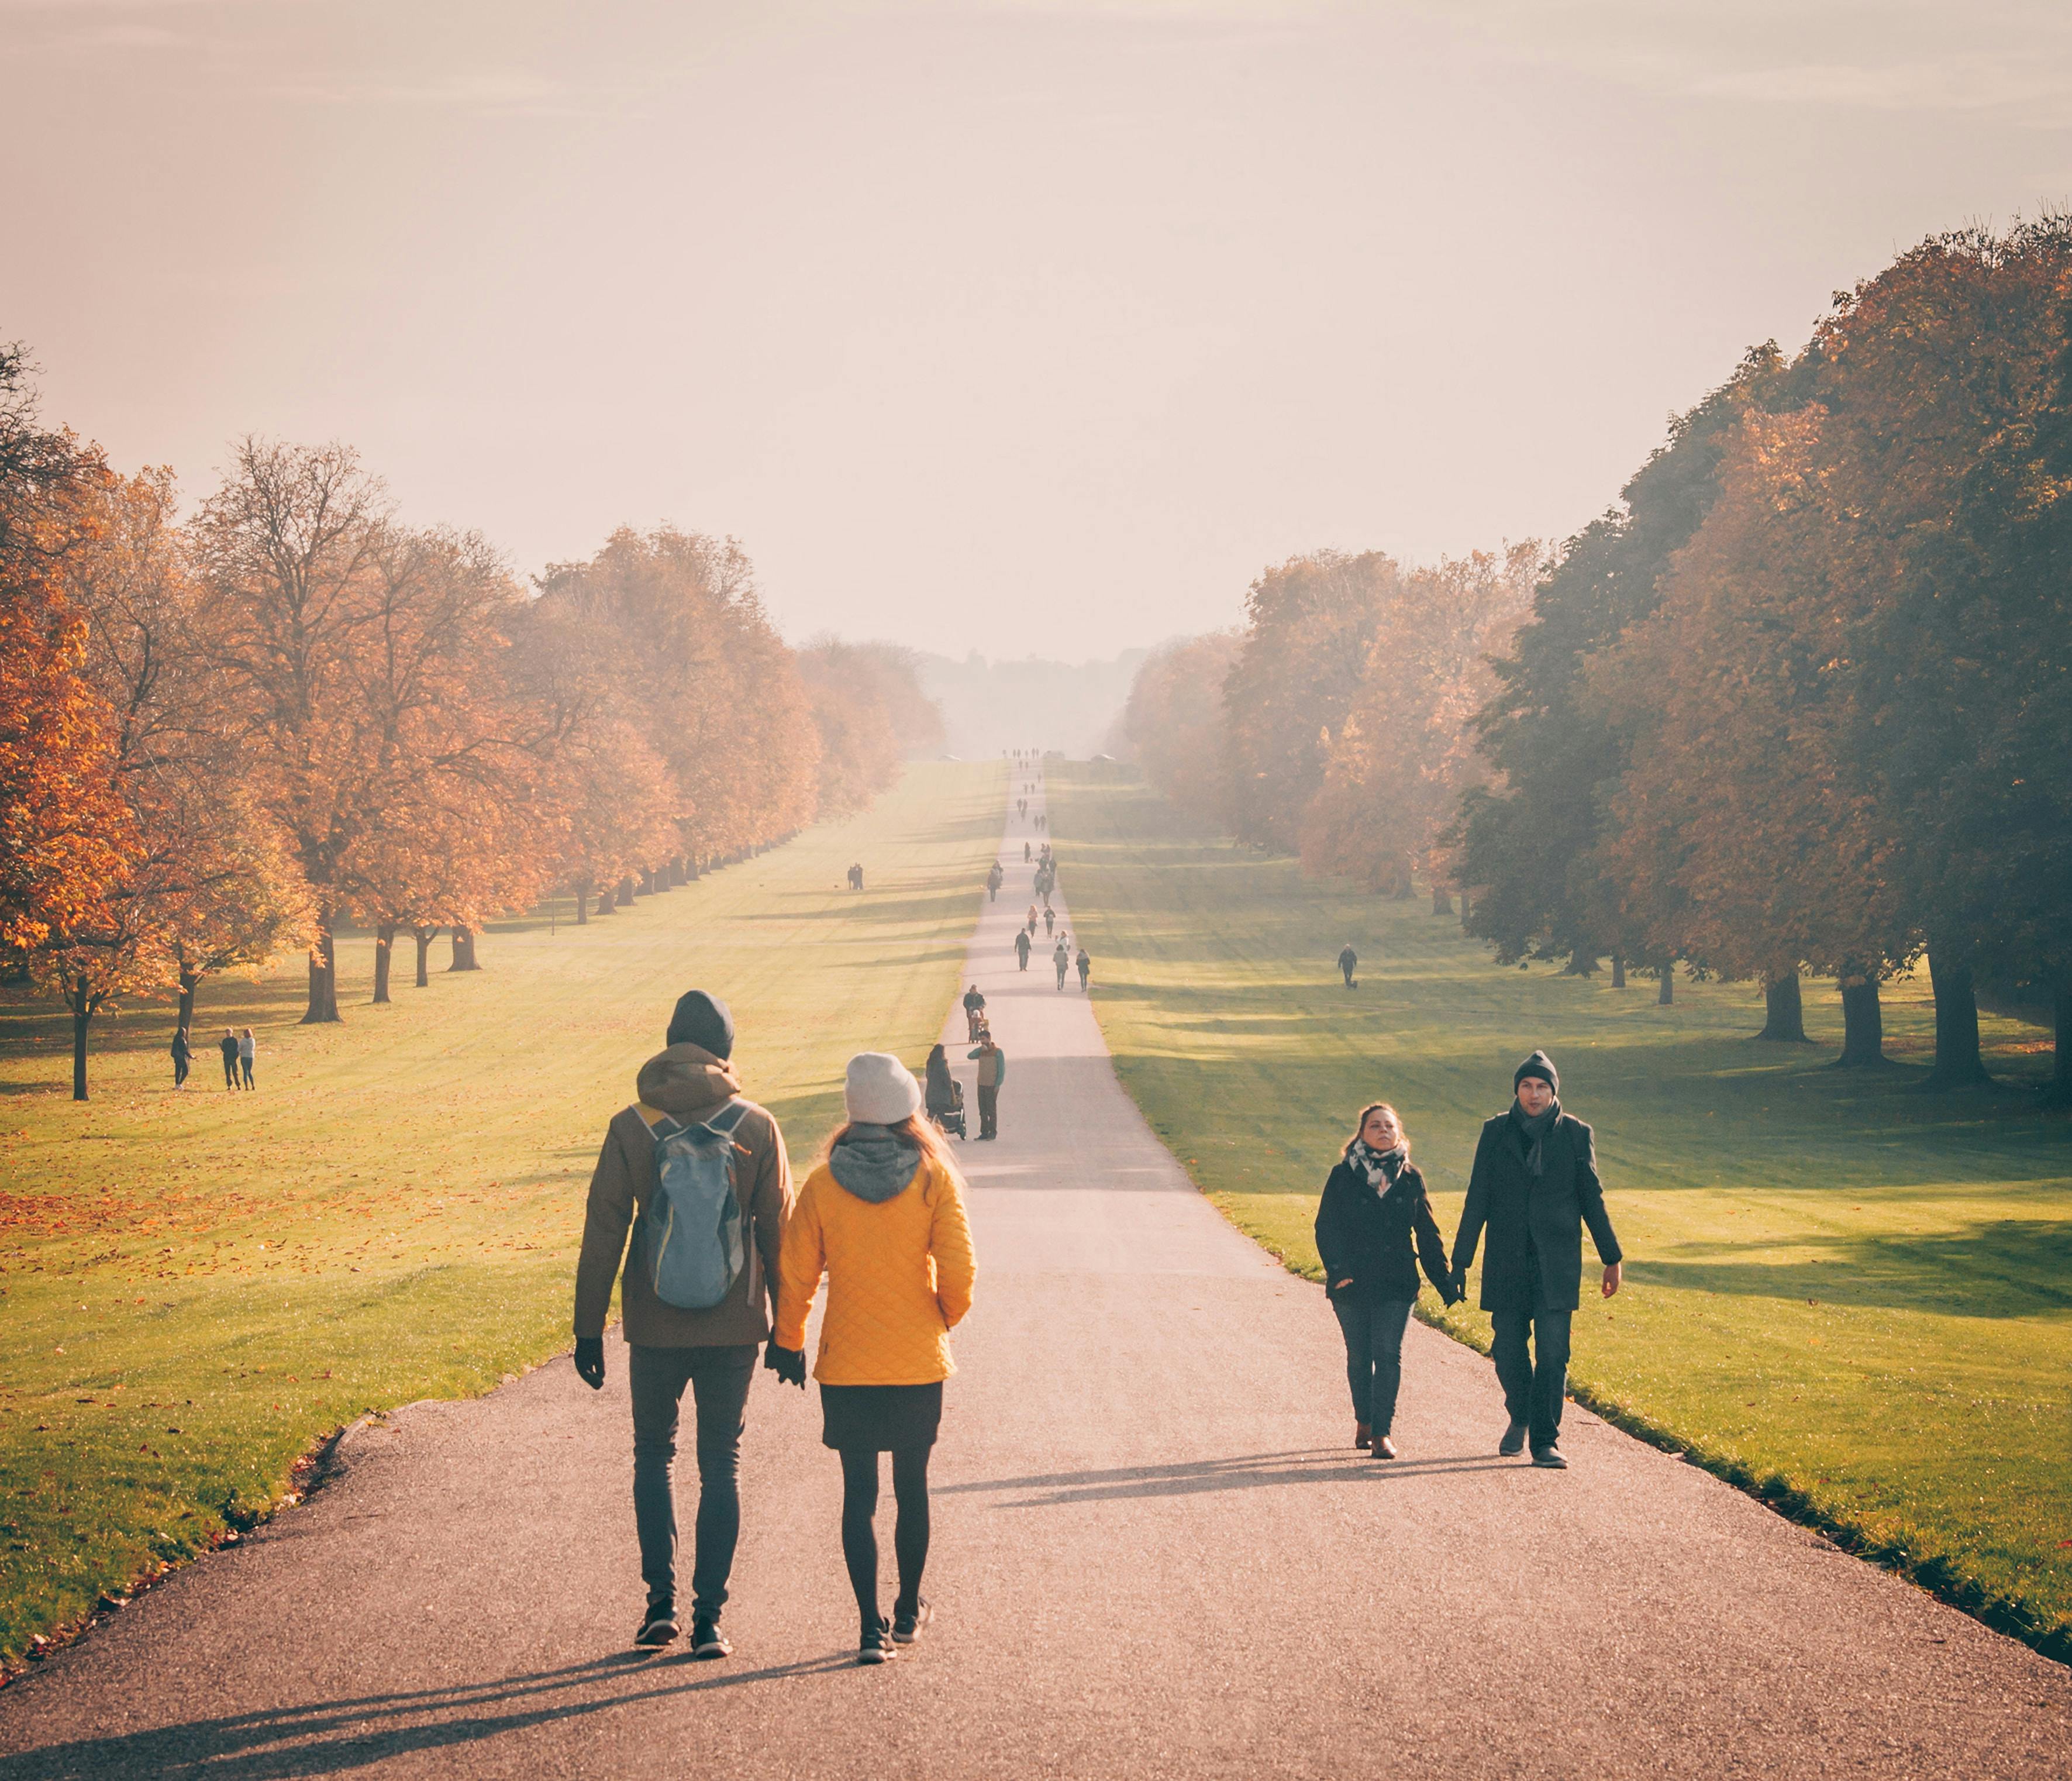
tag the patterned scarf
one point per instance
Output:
(1381, 1167)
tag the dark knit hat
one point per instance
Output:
(702, 1020)
(1540, 1065)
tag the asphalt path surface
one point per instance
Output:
(1155, 1553)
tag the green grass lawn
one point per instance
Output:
(195, 1287)
(1854, 1298)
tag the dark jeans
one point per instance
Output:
(1373, 1356)
(179, 1071)
(719, 1379)
(988, 1112)
(246, 1064)
(230, 1071)
(1533, 1393)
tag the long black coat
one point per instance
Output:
(1507, 1199)
(1377, 1241)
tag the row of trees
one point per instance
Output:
(1801, 702)
(225, 737)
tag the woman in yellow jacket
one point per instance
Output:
(883, 1218)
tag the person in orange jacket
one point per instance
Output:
(883, 1218)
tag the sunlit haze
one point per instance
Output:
(1029, 329)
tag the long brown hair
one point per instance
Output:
(1367, 1114)
(917, 1129)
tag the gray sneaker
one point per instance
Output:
(1513, 1442)
(1551, 1458)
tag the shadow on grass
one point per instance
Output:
(1998, 1268)
(334, 1736)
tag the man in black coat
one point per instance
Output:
(1534, 1186)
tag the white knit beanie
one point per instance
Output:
(880, 1090)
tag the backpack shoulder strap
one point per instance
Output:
(728, 1117)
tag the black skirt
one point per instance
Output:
(880, 1418)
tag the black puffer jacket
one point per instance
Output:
(1377, 1241)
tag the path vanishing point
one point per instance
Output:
(1156, 1554)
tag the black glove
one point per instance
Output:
(788, 1364)
(589, 1361)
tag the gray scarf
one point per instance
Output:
(1380, 1167)
(1533, 1129)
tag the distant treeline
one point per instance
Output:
(219, 740)
(1801, 702)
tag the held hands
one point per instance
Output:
(589, 1361)
(788, 1364)
(1611, 1279)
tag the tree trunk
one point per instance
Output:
(1442, 904)
(323, 975)
(690, 868)
(463, 949)
(1666, 994)
(582, 903)
(424, 937)
(190, 981)
(1958, 1065)
(626, 892)
(676, 871)
(1618, 970)
(1580, 964)
(385, 950)
(646, 886)
(1783, 1013)
(1467, 908)
(2058, 1093)
(1863, 1025)
(82, 1012)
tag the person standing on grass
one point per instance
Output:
(228, 1046)
(1534, 1186)
(687, 1089)
(1086, 969)
(1021, 946)
(1375, 1228)
(991, 1072)
(1348, 963)
(883, 1217)
(248, 1054)
(183, 1056)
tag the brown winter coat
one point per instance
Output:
(684, 1082)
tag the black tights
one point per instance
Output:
(910, 1535)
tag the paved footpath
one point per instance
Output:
(1156, 1554)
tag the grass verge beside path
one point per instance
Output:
(1853, 1298)
(195, 1287)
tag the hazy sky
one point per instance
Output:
(1034, 328)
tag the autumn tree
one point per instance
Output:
(1405, 754)
(872, 717)
(1173, 724)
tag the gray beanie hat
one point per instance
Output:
(1540, 1065)
(880, 1090)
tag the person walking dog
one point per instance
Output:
(883, 1219)
(1533, 1187)
(698, 1173)
(1375, 1228)
(991, 1072)
(228, 1046)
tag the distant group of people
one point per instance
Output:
(240, 1052)
(856, 876)
(724, 1255)
(1532, 1190)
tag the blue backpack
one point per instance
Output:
(696, 1247)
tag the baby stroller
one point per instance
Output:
(950, 1117)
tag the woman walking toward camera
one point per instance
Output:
(883, 1218)
(1374, 1228)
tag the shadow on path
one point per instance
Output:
(1251, 1471)
(331, 1737)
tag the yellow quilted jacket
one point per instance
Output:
(899, 1276)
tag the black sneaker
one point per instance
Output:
(1513, 1442)
(908, 1622)
(1552, 1458)
(657, 1629)
(875, 1646)
(707, 1640)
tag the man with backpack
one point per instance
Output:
(700, 1176)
